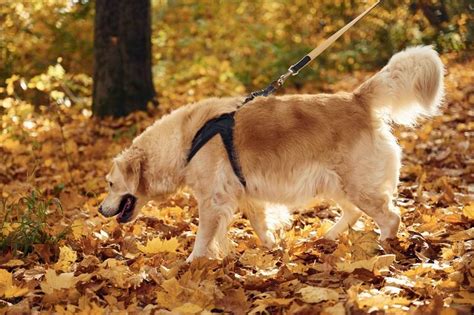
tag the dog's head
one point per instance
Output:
(124, 181)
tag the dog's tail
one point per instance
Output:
(409, 86)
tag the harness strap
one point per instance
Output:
(223, 125)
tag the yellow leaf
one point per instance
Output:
(67, 257)
(54, 282)
(187, 308)
(158, 245)
(468, 211)
(7, 288)
(8, 228)
(256, 258)
(170, 296)
(77, 228)
(119, 274)
(364, 245)
(375, 263)
(13, 263)
(315, 294)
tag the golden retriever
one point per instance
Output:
(290, 148)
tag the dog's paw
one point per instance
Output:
(331, 235)
(194, 255)
(268, 239)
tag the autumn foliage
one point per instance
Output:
(58, 255)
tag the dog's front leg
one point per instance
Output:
(215, 215)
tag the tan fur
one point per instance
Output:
(291, 149)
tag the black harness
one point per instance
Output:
(223, 125)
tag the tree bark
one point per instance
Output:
(122, 52)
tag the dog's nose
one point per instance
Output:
(100, 210)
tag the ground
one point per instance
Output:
(59, 255)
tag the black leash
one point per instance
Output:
(294, 69)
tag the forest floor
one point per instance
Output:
(68, 258)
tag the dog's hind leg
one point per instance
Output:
(373, 182)
(266, 220)
(215, 215)
(382, 210)
(350, 215)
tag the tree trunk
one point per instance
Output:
(122, 51)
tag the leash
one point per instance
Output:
(295, 69)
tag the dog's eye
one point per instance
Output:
(110, 184)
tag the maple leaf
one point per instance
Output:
(375, 263)
(119, 274)
(7, 288)
(364, 244)
(52, 281)
(157, 245)
(255, 258)
(235, 301)
(67, 257)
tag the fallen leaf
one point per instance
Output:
(468, 211)
(67, 257)
(311, 294)
(157, 245)
(187, 308)
(13, 263)
(375, 263)
(52, 281)
(7, 288)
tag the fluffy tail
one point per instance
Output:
(409, 86)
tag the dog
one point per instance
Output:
(290, 148)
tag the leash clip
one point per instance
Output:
(285, 76)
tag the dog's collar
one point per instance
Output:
(223, 125)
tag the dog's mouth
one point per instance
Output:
(126, 207)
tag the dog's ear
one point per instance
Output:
(129, 164)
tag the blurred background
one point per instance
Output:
(217, 48)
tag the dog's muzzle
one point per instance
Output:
(125, 209)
